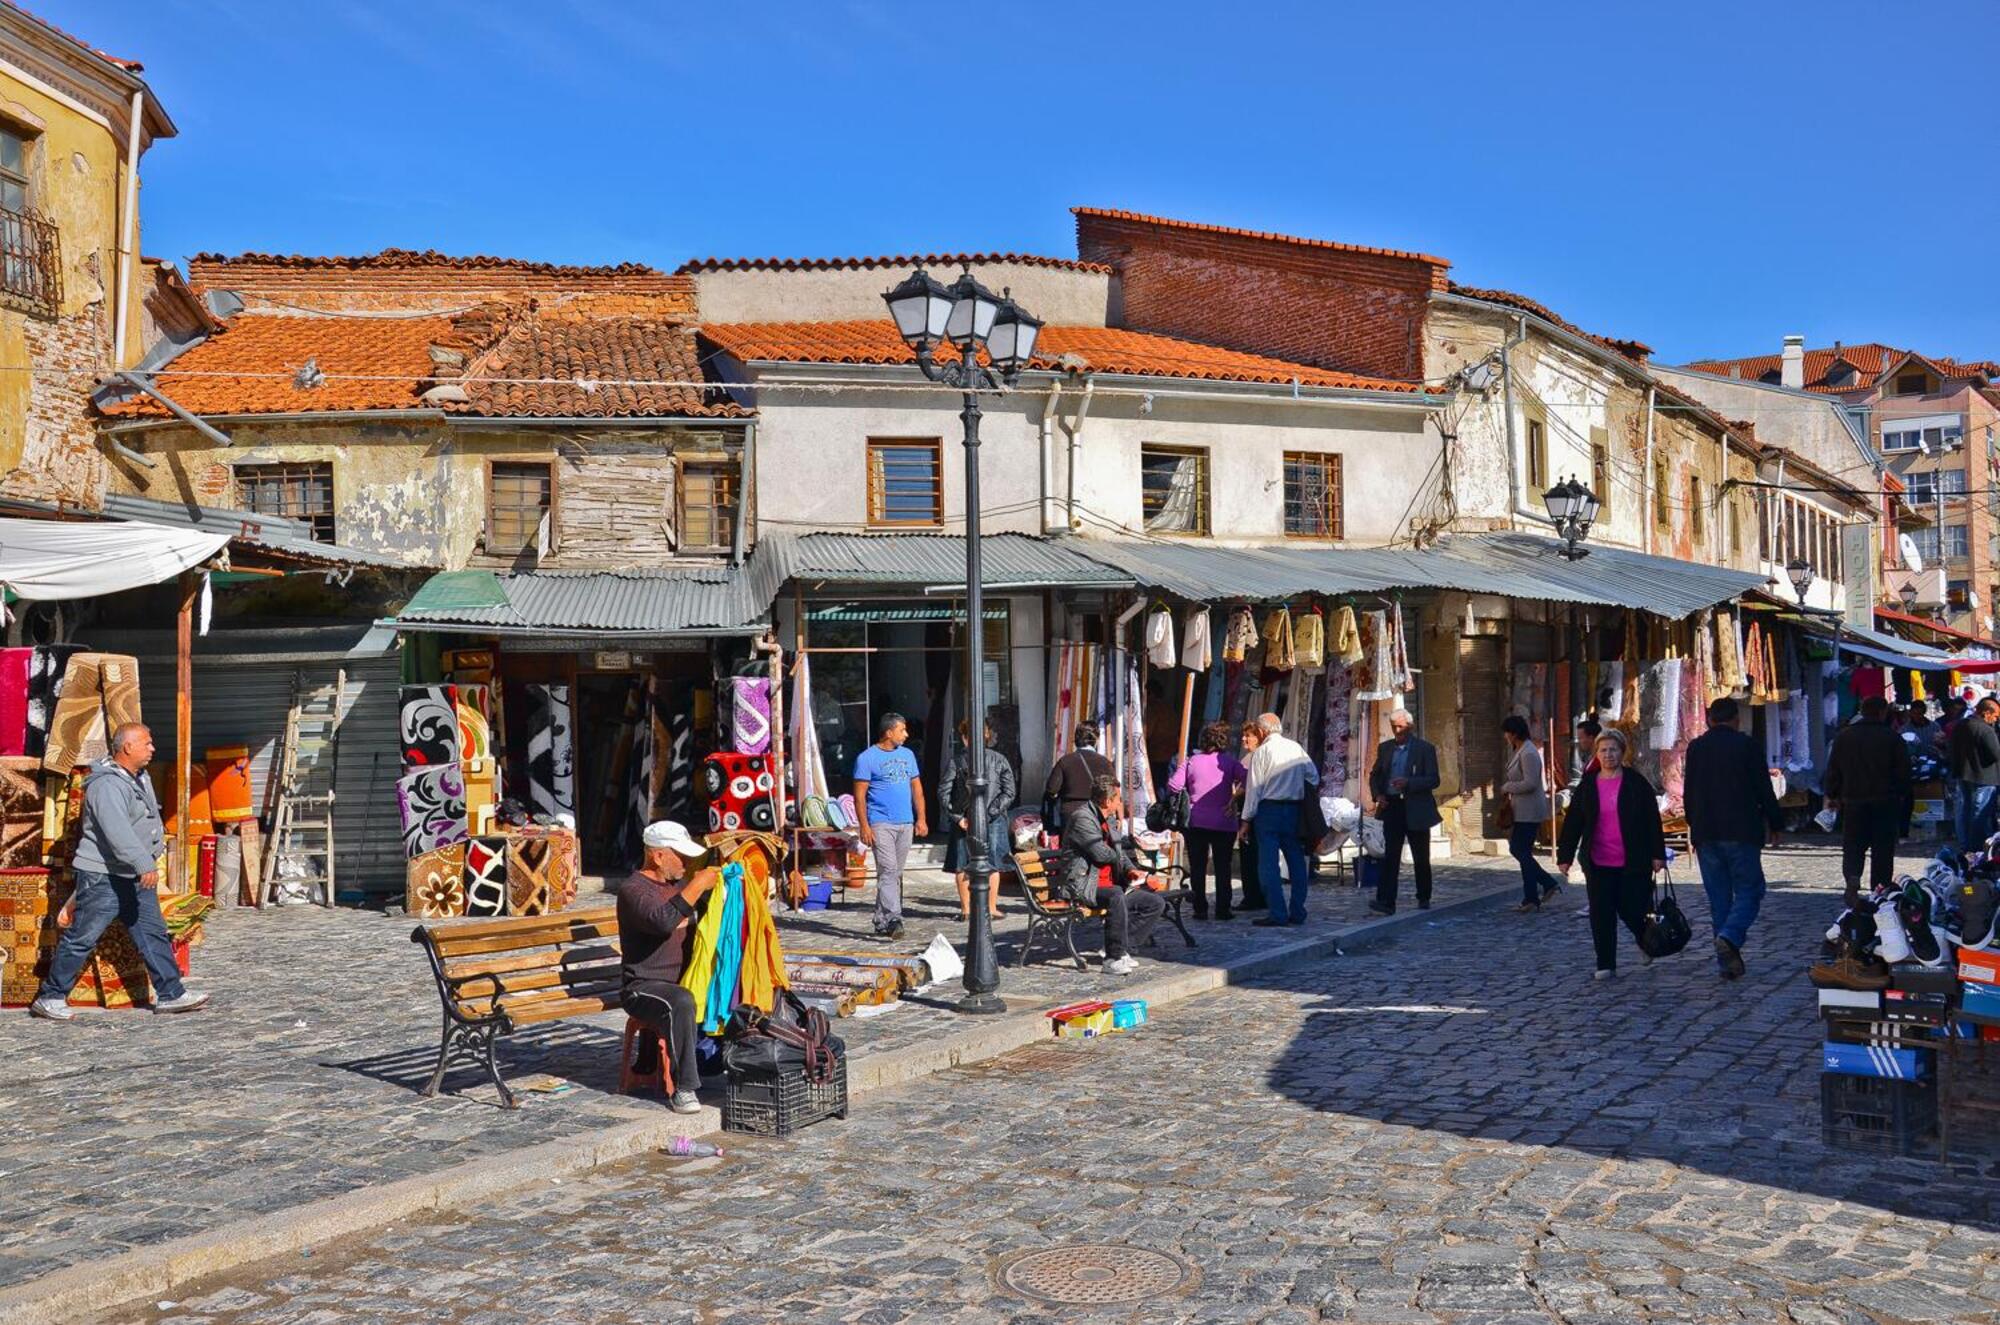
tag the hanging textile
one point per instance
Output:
(1297, 715)
(1241, 635)
(1756, 676)
(1917, 686)
(1400, 679)
(551, 755)
(429, 719)
(1277, 636)
(1664, 680)
(749, 714)
(1728, 660)
(1611, 692)
(45, 687)
(1212, 693)
(1347, 637)
(432, 804)
(1236, 694)
(1197, 648)
(1137, 772)
(15, 667)
(1374, 677)
(1160, 638)
(1333, 761)
(698, 973)
(54, 559)
(728, 954)
(1309, 641)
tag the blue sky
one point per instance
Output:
(1705, 177)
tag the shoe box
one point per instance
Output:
(1922, 1009)
(1850, 1004)
(1863, 1060)
(1979, 966)
(1980, 1003)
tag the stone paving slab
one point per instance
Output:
(299, 1083)
(1453, 1125)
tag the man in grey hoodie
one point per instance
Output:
(117, 873)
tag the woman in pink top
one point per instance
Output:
(1614, 823)
(1213, 780)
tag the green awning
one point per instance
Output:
(451, 592)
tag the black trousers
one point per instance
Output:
(1869, 828)
(669, 1009)
(1204, 845)
(1396, 831)
(1246, 865)
(1617, 894)
(1129, 917)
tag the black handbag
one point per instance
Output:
(790, 1038)
(1667, 930)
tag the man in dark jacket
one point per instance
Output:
(1402, 784)
(1731, 812)
(1073, 776)
(654, 906)
(1129, 914)
(1974, 759)
(1867, 780)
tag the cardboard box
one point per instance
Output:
(1914, 979)
(1979, 966)
(1850, 1004)
(1980, 1003)
(1857, 1060)
(1924, 1009)
(1128, 1012)
(1883, 1034)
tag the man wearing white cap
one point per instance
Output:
(655, 904)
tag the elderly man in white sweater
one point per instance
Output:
(1281, 777)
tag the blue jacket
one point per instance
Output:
(122, 833)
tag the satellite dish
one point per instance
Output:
(1911, 557)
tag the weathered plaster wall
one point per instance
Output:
(1063, 296)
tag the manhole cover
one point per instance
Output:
(1092, 1274)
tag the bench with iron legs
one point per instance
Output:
(496, 976)
(1057, 915)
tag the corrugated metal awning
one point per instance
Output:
(1511, 565)
(926, 560)
(692, 600)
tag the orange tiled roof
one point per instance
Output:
(1101, 349)
(1870, 360)
(587, 352)
(129, 66)
(1631, 349)
(941, 260)
(1114, 214)
(392, 355)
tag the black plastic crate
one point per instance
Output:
(1969, 1099)
(1878, 1115)
(782, 1104)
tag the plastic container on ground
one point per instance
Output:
(782, 1104)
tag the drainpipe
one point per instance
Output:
(1652, 498)
(1507, 404)
(1074, 429)
(1774, 508)
(194, 421)
(128, 238)
(746, 474)
(1048, 454)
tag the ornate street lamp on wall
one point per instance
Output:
(1801, 573)
(1572, 510)
(970, 318)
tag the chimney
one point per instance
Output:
(1793, 370)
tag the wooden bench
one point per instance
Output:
(496, 976)
(1059, 915)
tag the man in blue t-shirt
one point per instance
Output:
(889, 804)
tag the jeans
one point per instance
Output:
(1536, 881)
(1204, 845)
(1129, 917)
(669, 1009)
(1250, 872)
(101, 899)
(892, 848)
(1396, 832)
(1732, 874)
(1615, 894)
(1974, 814)
(1869, 829)
(1277, 829)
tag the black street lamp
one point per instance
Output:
(1800, 572)
(1572, 510)
(970, 318)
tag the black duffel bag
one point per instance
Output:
(790, 1038)
(1666, 930)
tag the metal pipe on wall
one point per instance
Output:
(128, 232)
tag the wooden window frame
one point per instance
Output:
(1697, 517)
(723, 519)
(1903, 381)
(878, 516)
(1663, 501)
(276, 474)
(1204, 494)
(486, 504)
(1536, 433)
(1335, 524)
(1600, 471)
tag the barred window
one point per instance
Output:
(519, 500)
(708, 507)
(302, 492)
(906, 481)
(1313, 496)
(1173, 489)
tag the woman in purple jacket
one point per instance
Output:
(1213, 779)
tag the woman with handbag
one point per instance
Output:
(1528, 800)
(1212, 781)
(958, 806)
(1614, 825)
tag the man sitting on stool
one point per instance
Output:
(654, 906)
(1129, 916)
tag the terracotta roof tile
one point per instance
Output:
(1101, 349)
(940, 260)
(1636, 350)
(395, 350)
(589, 352)
(1870, 360)
(1114, 214)
(129, 66)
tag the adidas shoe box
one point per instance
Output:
(1980, 1003)
(1850, 1004)
(1922, 1009)
(1860, 1060)
(1979, 966)
(1914, 979)
(1883, 1034)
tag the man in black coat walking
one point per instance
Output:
(1732, 813)
(1867, 780)
(1973, 754)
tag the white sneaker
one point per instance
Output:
(52, 1009)
(1122, 965)
(684, 1101)
(188, 1001)
(1605, 975)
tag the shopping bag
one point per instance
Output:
(1667, 930)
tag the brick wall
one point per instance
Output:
(1331, 306)
(60, 460)
(404, 281)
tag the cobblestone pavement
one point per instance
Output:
(1454, 1125)
(300, 1081)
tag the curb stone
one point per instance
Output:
(80, 1291)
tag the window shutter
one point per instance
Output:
(670, 503)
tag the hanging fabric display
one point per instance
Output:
(739, 792)
(1137, 770)
(432, 802)
(677, 792)
(639, 771)
(551, 756)
(16, 665)
(1160, 638)
(1664, 680)
(1197, 649)
(1241, 635)
(1309, 640)
(429, 723)
(1400, 678)
(1278, 641)
(1755, 676)
(734, 958)
(1347, 637)
(1374, 677)
(1333, 761)
(807, 767)
(750, 714)
(728, 953)
(1297, 715)
(1610, 692)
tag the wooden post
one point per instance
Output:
(1187, 718)
(177, 867)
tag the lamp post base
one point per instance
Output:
(981, 1005)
